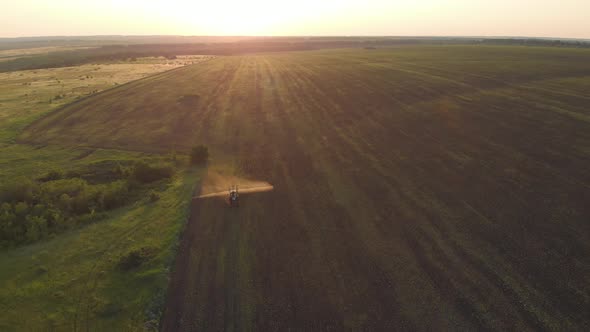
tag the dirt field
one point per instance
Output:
(419, 188)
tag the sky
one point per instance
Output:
(531, 18)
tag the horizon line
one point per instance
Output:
(292, 36)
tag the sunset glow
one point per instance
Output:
(566, 18)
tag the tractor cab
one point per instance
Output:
(234, 196)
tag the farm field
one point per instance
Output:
(415, 188)
(12, 54)
(26, 95)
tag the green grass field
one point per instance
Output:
(70, 281)
(415, 188)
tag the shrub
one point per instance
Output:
(8, 227)
(199, 154)
(145, 173)
(65, 202)
(154, 196)
(39, 210)
(36, 228)
(135, 258)
(55, 174)
(33, 210)
(83, 203)
(101, 172)
(90, 218)
(52, 190)
(21, 190)
(21, 209)
(122, 172)
(114, 194)
(41, 269)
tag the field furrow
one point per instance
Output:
(414, 187)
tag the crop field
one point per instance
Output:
(415, 188)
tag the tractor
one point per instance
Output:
(234, 196)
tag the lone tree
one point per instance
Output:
(199, 154)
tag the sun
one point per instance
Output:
(244, 18)
(236, 17)
(257, 17)
(231, 17)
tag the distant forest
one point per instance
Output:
(231, 46)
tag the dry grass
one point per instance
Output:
(26, 95)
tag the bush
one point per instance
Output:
(135, 258)
(154, 196)
(34, 210)
(8, 224)
(55, 174)
(36, 228)
(52, 190)
(21, 209)
(146, 173)
(90, 218)
(21, 190)
(114, 195)
(64, 202)
(199, 154)
(104, 171)
(122, 172)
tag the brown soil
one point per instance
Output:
(413, 189)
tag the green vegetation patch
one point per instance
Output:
(78, 280)
(33, 210)
(69, 215)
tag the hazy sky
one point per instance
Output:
(541, 18)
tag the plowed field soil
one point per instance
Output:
(418, 188)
